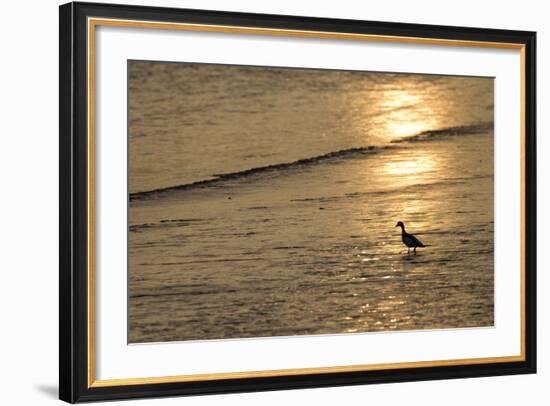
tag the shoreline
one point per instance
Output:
(270, 262)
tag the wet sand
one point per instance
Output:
(316, 251)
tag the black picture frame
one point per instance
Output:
(74, 385)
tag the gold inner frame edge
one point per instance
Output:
(92, 23)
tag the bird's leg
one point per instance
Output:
(409, 252)
(414, 250)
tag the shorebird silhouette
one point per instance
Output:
(408, 239)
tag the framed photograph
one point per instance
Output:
(256, 202)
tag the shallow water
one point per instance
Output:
(307, 243)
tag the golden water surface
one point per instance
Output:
(263, 202)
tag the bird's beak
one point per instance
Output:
(397, 225)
